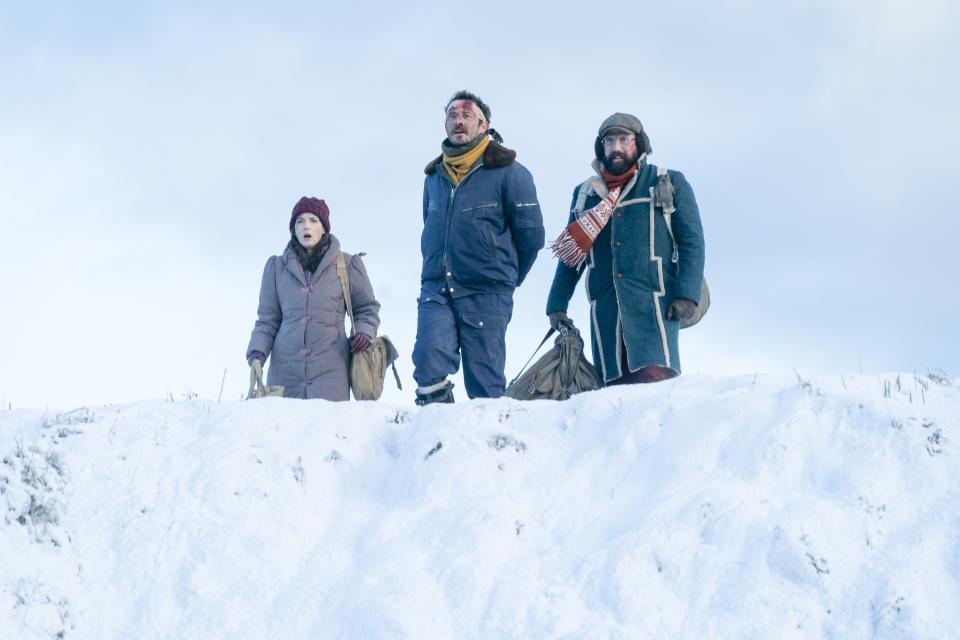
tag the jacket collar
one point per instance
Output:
(496, 155)
(599, 187)
(293, 264)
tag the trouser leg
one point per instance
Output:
(643, 375)
(483, 319)
(436, 350)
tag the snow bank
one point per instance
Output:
(705, 507)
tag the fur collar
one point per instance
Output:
(496, 155)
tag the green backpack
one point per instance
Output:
(560, 373)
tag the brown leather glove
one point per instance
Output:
(681, 309)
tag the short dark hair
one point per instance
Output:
(466, 95)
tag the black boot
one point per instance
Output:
(442, 395)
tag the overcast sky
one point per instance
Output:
(150, 156)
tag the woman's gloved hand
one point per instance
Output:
(359, 342)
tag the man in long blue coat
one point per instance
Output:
(482, 229)
(635, 229)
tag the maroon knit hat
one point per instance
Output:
(316, 206)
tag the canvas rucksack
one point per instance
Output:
(558, 374)
(661, 196)
(368, 368)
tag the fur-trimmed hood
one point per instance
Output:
(494, 156)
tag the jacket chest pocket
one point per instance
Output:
(484, 210)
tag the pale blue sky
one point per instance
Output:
(150, 156)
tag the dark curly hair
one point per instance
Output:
(466, 95)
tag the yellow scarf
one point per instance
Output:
(458, 166)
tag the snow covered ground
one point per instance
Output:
(706, 507)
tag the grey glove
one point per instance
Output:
(558, 319)
(681, 309)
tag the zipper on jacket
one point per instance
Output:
(447, 267)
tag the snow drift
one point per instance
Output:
(703, 507)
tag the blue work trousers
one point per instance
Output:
(474, 327)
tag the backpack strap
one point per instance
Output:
(345, 285)
(593, 184)
(581, 198)
(663, 198)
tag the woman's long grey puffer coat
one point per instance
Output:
(300, 324)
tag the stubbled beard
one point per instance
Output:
(621, 164)
(460, 144)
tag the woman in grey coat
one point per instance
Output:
(300, 319)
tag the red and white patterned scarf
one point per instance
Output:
(573, 245)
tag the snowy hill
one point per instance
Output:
(707, 507)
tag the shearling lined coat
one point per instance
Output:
(300, 324)
(631, 277)
(483, 234)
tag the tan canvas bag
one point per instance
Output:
(368, 368)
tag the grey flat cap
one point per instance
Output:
(621, 121)
(626, 122)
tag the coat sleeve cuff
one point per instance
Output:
(689, 291)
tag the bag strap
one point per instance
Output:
(345, 285)
(663, 180)
(396, 376)
(535, 351)
(392, 354)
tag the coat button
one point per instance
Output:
(305, 320)
(480, 323)
(451, 289)
(619, 275)
(618, 244)
(619, 215)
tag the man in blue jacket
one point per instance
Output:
(635, 229)
(482, 229)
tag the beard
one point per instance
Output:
(471, 137)
(618, 162)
